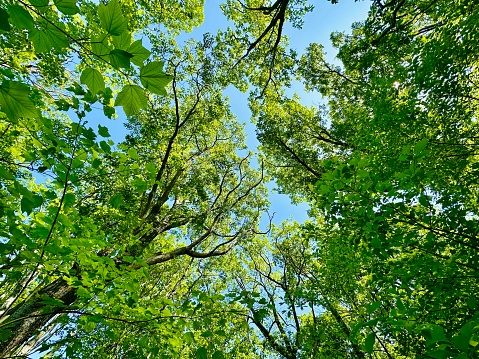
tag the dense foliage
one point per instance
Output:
(145, 242)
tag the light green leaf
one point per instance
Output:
(4, 25)
(132, 98)
(140, 53)
(103, 131)
(14, 100)
(189, 337)
(68, 7)
(99, 45)
(111, 18)
(123, 41)
(120, 59)
(20, 17)
(47, 38)
(369, 343)
(93, 79)
(153, 77)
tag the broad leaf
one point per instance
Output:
(39, 3)
(111, 18)
(103, 131)
(47, 38)
(369, 343)
(123, 41)
(4, 25)
(68, 7)
(20, 17)
(153, 77)
(132, 98)
(201, 353)
(99, 45)
(93, 79)
(139, 52)
(14, 100)
(120, 59)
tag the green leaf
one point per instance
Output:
(132, 98)
(201, 353)
(99, 45)
(4, 25)
(420, 146)
(153, 77)
(47, 38)
(372, 307)
(140, 53)
(20, 17)
(14, 100)
(93, 79)
(111, 18)
(120, 58)
(218, 355)
(68, 7)
(103, 131)
(28, 204)
(5, 174)
(39, 3)
(189, 337)
(369, 343)
(123, 41)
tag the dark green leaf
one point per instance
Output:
(420, 146)
(218, 355)
(201, 353)
(68, 7)
(111, 18)
(14, 100)
(120, 59)
(103, 131)
(4, 24)
(369, 343)
(132, 98)
(153, 77)
(5, 174)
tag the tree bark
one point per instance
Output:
(29, 316)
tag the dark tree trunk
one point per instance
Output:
(32, 314)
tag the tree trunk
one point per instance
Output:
(32, 314)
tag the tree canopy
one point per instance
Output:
(149, 244)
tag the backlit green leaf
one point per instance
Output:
(39, 3)
(47, 38)
(14, 100)
(20, 17)
(140, 53)
(123, 41)
(93, 79)
(132, 98)
(111, 18)
(369, 343)
(120, 58)
(68, 7)
(153, 77)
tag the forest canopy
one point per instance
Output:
(150, 245)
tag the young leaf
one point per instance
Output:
(153, 77)
(132, 98)
(20, 17)
(120, 59)
(93, 79)
(4, 25)
(111, 18)
(14, 100)
(68, 7)
(139, 53)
